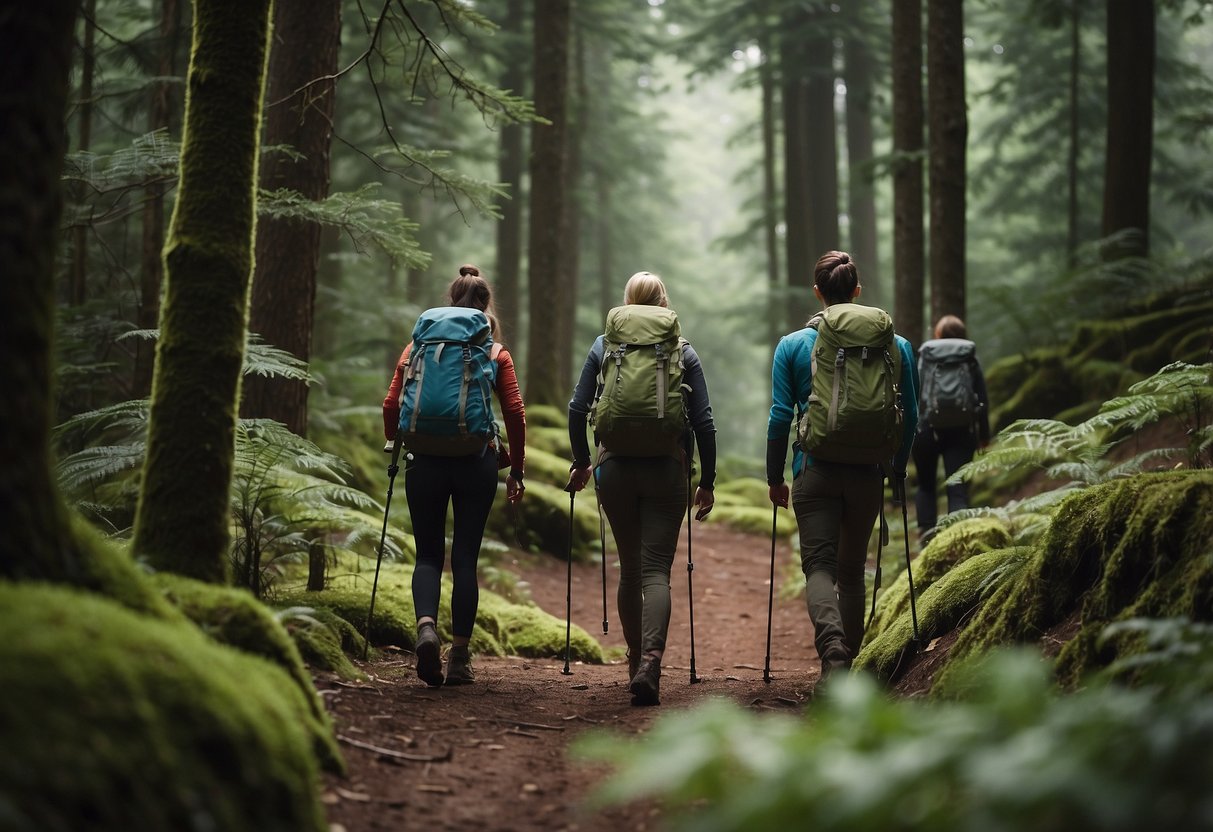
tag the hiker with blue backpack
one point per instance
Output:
(643, 390)
(955, 417)
(439, 409)
(848, 382)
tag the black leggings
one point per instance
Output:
(469, 483)
(956, 446)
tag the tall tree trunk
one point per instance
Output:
(151, 265)
(908, 241)
(181, 524)
(306, 36)
(948, 131)
(88, 67)
(821, 146)
(861, 195)
(797, 241)
(548, 200)
(579, 112)
(1072, 156)
(35, 60)
(510, 165)
(607, 297)
(770, 207)
(1126, 196)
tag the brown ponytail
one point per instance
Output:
(472, 291)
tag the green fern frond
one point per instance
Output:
(91, 466)
(267, 361)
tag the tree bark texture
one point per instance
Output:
(181, 524)
(909, 248)
(88, 67)
(151, 264)
(548, 203)
(861, 195)
(1126, 198)
(797, 241)
(35, 59)
(305, 41)
(1072, 155)
(770, 206)
(948, 128)
(821, 146)
(510, 166)
(579, 115)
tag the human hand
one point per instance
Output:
(898, 481)
(704, 500)
(779, 494)
(578, 477)
(513, 489)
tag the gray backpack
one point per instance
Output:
(948, 367)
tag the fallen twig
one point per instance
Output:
(396, 755)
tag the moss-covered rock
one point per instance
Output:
(235, 618)
(527, 630)
(325, 641)
(755, 520)
(118, 721)
(554, 440)
(545, 416)
(541, 520)
(543, 466)
(750, 491)
(1141, 546)
(953, 545)
(940, 608)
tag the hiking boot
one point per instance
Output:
(646, 684)
(429, 662)
(633, 664)
(836, 661)
(459, 666)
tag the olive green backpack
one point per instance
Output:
(639, 408)
(854, 413)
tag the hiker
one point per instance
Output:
(955, 417)
(848, 433)
(644, 465)
(458, 469)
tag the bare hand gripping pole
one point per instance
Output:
(392, 470)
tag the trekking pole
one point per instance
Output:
(602, 544)
(568, 598)
(900, 489)
(392, 470)
(690, 575)
(766, 668)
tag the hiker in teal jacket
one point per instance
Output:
(836, 503)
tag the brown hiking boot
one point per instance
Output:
(836, 661)
(459, 666)
(646, 684)
(429, 662)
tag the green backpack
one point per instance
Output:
(639, 409)
(854, 413)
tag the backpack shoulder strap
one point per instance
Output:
(815, 321)
(495, 350)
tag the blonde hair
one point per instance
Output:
(645, 289)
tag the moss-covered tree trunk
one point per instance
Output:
(861, 194)
(770, 198)
(948, 130)
(510, 167)
(797, 251)
(35, 58)
(182, 521)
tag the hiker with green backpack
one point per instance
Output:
(643, 390)
(955, 417)
(439, 408)
(850, 385)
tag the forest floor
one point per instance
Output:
(493, 755)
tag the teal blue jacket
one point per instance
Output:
(791, 383)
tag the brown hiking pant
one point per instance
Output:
(645, 499)
(836, 507)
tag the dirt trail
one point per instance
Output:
(491, 756)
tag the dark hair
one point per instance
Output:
(950, 326)
(472, 291)
(836, 277)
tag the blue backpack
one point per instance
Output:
(446, 406)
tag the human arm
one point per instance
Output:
(909, 402)
(513, 413)
(579, 410)
(391, 402)
(699, 413)
(779, 422)
(983, 397)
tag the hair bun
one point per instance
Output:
(469, 269)
(844, 258)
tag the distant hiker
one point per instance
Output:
(955, 412)
(849, 381)
(641, 386)
(440, 402)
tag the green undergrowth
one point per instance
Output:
(114, 720)
(1134, 547)
(325, 640)
(502, 627)
(235, 618)
(1100, 360)
(540, 521)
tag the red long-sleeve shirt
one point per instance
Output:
(512, 411)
